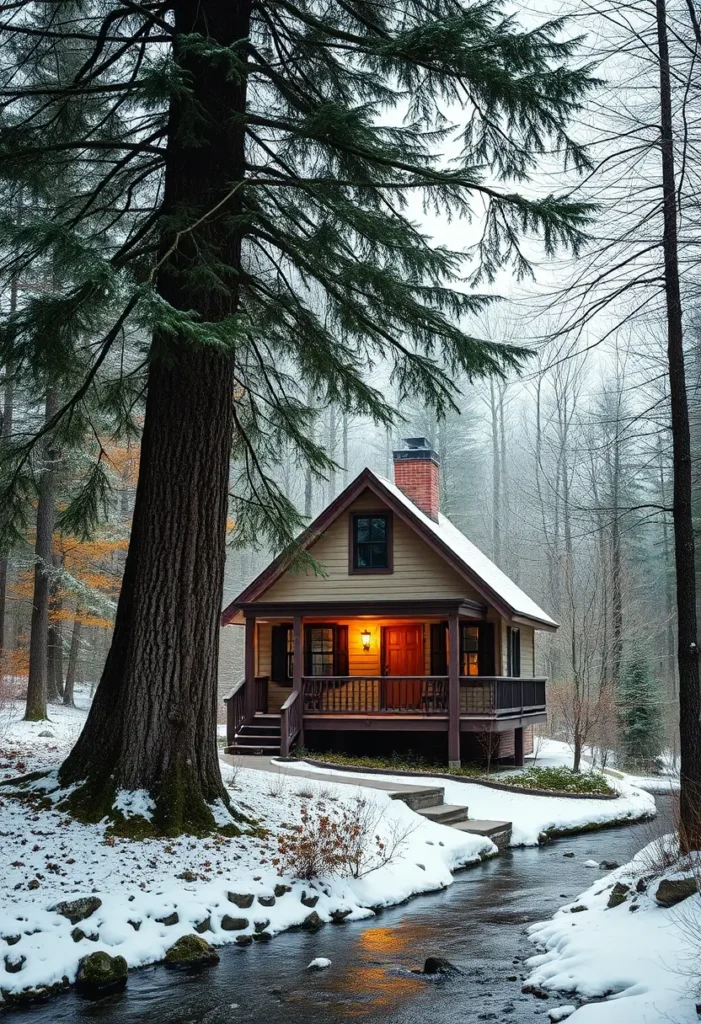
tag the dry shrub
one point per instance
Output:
(340, 840)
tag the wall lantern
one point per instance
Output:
(365, 636)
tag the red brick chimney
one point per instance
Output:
(417, 473)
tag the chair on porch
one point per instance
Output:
(433, 696)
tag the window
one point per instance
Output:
(320, 650)
(326, 650)
(513, 651)
(371, 542)
(469, 651)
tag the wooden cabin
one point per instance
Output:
(401, 635)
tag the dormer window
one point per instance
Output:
(371, 542)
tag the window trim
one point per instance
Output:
(386, 513)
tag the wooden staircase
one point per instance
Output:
(261, 737)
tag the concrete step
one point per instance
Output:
(445, 814)
(420, 796)
(498, 831)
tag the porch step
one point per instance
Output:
(269, 750)
(245, 739)
(420, 797)
(445, 814)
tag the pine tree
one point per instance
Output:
(229, 162)
(640, 714)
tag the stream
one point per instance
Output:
(478, 923)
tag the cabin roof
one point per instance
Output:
(493, 584)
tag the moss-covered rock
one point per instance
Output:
(619, 894)
(671, 891)
(579, 909)
(99, 974)
(244, 940)
(312, 922)
(78, 910)
(191, 951)
(281, 889)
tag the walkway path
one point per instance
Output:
(428, 801)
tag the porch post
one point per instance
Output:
(250, 668)
(297, 666)
(454, 691)
(519, 760)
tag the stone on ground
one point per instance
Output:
(99, 974)
(191, 951)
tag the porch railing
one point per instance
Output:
(235, 701)
(240, 709)
(390, 695)
(500, 696)
(290, 722)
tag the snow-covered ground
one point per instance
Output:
(530, 815)
(555, 753)
(642, 957)
(49, 858)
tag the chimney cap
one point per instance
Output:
(417, 442)
(418, 449)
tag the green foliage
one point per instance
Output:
(559, 780)
(345, 123)
(640, 714)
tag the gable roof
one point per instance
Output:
(445, 538)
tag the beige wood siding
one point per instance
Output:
(418, 570)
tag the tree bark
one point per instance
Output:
(69, 688)
(152, 724)
(55, 639)
(5, 435)
(37, 683)
(687, 650)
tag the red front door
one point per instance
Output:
(403, 657)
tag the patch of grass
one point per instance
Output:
(560, 780)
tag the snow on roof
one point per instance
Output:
(471, 556)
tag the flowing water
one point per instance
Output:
(478, 923)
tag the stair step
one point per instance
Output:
(422, 796)
(261, 730)
(498, 831)
(445, 814)
(238, 748)
(256, 741)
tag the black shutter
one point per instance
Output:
(307, 650)
(279, 655)
(516, 652)
(439, 653)
(340, 651)
(485, 649)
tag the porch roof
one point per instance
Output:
(443, 536)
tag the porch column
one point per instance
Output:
(297, 665)
(250, 668)
(454, 691)
(519, 760)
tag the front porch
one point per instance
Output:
(417, 667)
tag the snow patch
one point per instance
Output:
(134, 803)
(319, 963)
(559, 1013)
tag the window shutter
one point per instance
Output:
(485, 648)
(279, 655)
(439, 653)
(307, 650)
(516, 652)
(341, 651)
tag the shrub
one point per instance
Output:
(340, 840)
(560, 780)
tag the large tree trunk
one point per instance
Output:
(37, 684)
(152, 724)
(5, 435)
(55, 639)
(69, 688)
(687, 650)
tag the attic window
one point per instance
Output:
(371, 542)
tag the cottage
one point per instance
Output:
(410, 638)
